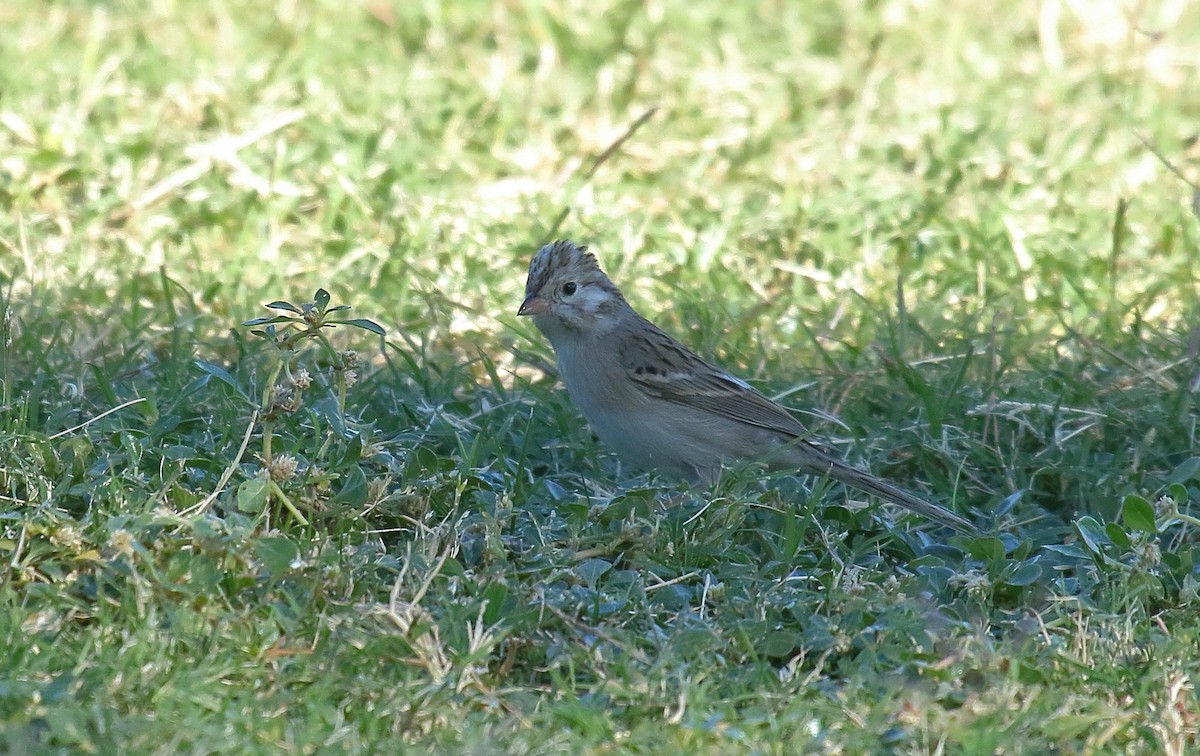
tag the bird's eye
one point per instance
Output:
(569, 288)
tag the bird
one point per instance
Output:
(658, 404)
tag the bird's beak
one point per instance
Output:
(534, 305)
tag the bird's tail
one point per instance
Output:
(819, 462)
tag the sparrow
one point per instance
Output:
(658, 404)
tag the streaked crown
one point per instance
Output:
(556, 258)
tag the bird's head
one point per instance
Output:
(567, 291)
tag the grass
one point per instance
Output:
(970, 236)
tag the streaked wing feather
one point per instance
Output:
(665, 369)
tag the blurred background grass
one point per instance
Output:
(430, 145)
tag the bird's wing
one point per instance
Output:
(665, 369)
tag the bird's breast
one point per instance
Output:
(644, 431)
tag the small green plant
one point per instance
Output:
(305, 323)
